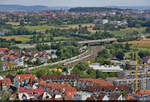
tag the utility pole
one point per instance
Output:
(136, 75)
(136, 71)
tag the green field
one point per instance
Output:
(124, 31)
(60, 38)
(39, 27)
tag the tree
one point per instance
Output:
(144, 53)
(37, 62)
(147, 30)
(120, 55)
(22, 22)
(40, 73)
(35, 20)
(104, 53)
(99, 74)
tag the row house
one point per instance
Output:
(141, 95)
(5, 83)
(85, 82)
(108, 90)
(42, 56)
(8, 65)
(104, 97)
(24, 80)
(58, 89)
(28, 94)
(147, 60)
(71, 79)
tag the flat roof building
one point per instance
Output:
(106, 68)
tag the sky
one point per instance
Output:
(79, 3)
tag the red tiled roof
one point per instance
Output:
(40, 91)
(6, 82)
(142, 92)
(67, 88)
(59, 77)
(148, 15)
(106, 88)
(130, 97)
(25, 76)
(9, 57)
(99, 82)
(146, 58)
(3, 49)
(90, 99)
(100, 97)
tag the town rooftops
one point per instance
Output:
(58, 77)
(6, 82)
(144, 92)
(106, 68)
(25, 76)
(3, 49)
(106, 88)
(67, 88)
(99, 82)
(31, 92)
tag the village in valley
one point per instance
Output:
(78, 53)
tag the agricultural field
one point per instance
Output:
(123, 32)
(60, 38)
(39, 27)
(17, 38)
(76, 26)
(144, 43)
(14, 23)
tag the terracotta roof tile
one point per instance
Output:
(99, 82)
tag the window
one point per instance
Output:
(47, 96)
(103, 89)
(30, 93)
(35, 93)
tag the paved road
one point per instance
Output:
(95, 41)
(87, 55)
(61, 62)
(79, 42)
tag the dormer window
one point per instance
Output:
(55, 78)
(35, 93)
(110, 90)
(103, 89)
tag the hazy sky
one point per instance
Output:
(73, 3)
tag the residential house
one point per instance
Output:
(81, 96)
(20, 61)
(27, 93)
(106, 68)
(8, 65)
(107, 90)
(2, 33)
(5, 83)
(24, 80)
(147, 60)
(71, 79)
(58, 89)
(141, 95)
(83, 83)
